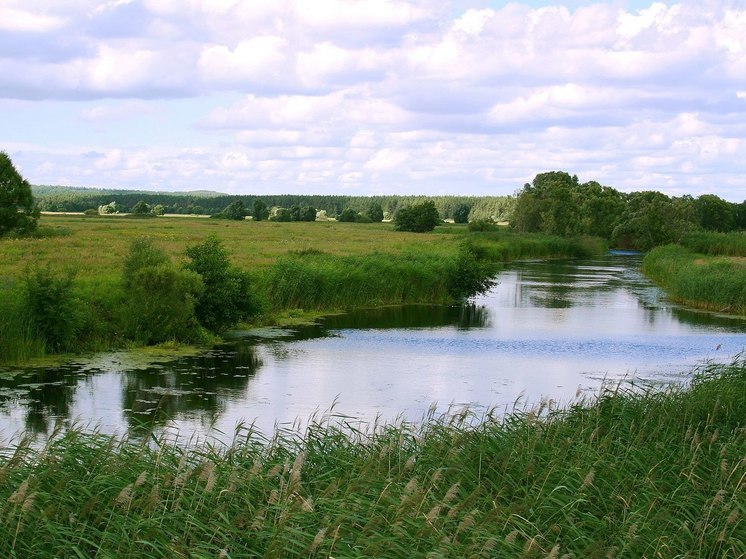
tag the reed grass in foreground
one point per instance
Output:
(635, 473)
(709, 282)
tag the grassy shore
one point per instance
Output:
(699, 279)
(633, 473)
(295, 268)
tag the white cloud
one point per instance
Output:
(374, 94)
(20, 20)
(256, 60)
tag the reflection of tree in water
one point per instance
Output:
(194, 385)
(411, 316)
(47, 393)
(550, 285)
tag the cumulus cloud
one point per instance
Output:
(379, 95)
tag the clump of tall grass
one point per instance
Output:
(638, 473)
(725, 244)
(709, 282)
(18, 341)
(312, 280)
(504, 246)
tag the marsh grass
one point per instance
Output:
(711, 282)
(721, 244)
(635, 472)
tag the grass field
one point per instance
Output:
(318, 266)
(633, 473)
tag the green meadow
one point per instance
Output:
(294, 269)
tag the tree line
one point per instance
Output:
(61, 199)
(556, 203)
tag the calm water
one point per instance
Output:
(547, 330)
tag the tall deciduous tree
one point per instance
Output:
(18, 214)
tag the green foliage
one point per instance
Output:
(235, 210)
(652, 219)
(482, 225)
(141, 207)
(158, 209)
(159, 297)
(282, 215)
(307, 213)
(724, 244)
(710, 282)
(473, 273)
(461, 213)
(348, 215)
(18, 342)
(558, 204)
(261, 212)
(52, 307)
(418, 218)
(631, 473)
(227, 297)
(90, 212)
(375, 213)
(715, 214)
(18, 213)
(110, 208)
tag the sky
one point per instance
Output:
(365, 97)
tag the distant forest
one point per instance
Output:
(73, 199)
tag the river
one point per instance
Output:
(548, 330)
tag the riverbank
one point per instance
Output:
(295, 269)
(706, 272)
(633, 472)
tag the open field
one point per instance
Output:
(633, 473)
(96, 246)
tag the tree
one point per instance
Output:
(651, 219)
(160, 298)
(418, 218)
(461, 213)
(18, 213)
(227, 297)
(308, 213)
(234, 210)
(261, 212)
(282, 214)
(141, 208)
(348, 215)
(375, 213)
(715, 214)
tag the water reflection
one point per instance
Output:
(463, 317)
(193, 386)
(546, 329)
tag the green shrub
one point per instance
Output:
(481, 225)
(348, 215)
(418, 218)
(227, 297)
(461, 213)
(160, 298)
(51, 306)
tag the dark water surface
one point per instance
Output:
(547, 330)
